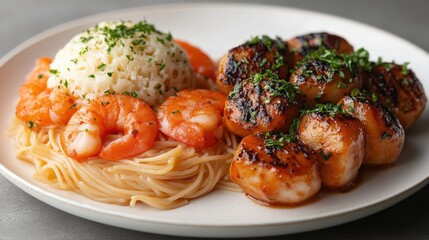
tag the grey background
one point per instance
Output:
(24, 217)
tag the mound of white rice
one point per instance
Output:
(123, 58)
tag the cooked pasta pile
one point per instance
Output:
(165, 177)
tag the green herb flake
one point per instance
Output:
(129, 57)
(161, 65)
(40, 76)
(374, 97)
(101, 67)
(405, 68)
(31, 124)
(110, 74)
(341, 85)
(73, 106)
(169, 37)
(109, 92)
(405, 82)
(91, 76)
(54, 71)
(327, 108)
(262, 62)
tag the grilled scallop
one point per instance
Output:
(398, 88)
(321, 84)
(325, 77)
(254, 56)
(340, 140)
(300, 46)
(384, 135)
(275, 171)
(261, 104)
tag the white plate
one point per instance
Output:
(216, 28)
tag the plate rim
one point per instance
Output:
(9, 174)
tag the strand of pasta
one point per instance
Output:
(164, 177)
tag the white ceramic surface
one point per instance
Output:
(216, 28)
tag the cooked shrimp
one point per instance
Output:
(254, 56)
(398, 88)
(193, 117)
(300, 46)
(384, 135)
(200, 61)
(340, 140)
(275, 171)
(42, 106)
(84, 135)
(324, 78)
(261, 104)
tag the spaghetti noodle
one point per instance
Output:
(165, 177)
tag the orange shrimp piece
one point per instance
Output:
(85, 134)
(200, 61)
(41, 106)
(193, 117)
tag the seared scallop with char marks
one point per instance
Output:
(260, 104)
(274, 170)
(384, 135)
(398, 88)
(300, 46)
(254, 56)
(340, 141)
(325, 77)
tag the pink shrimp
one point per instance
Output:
(84, 135)
(193, 117)
(42, 106)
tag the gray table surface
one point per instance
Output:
(24, 217)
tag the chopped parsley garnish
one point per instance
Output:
(86, 39)
(114, 36)
(74, 61)
(161, 65)
(405, 81)
(341, 85)
(40, 76)
(275, 141)
(132, 94)
(262, 62)
(405, 68)
(274, 85)
(101, 67)
(110, 74)
(73, 106)
(351, 62)
(267, 41)
(54, 71)
(328, 108)
(129, 57)
(364, 95)
(169, 37)
(109, 92)
(91, 76)
(31, 124)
